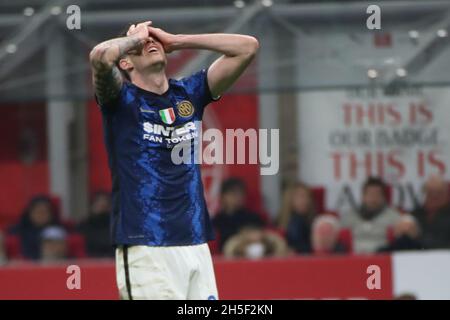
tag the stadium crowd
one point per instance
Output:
(374, 227)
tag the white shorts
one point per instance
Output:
(179, 273)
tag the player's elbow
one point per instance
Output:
(252, 46)
(96, 54)
(99, 54)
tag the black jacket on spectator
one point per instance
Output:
(298, 233)
(435, 231)
(403, 243)
(339, 248)
(96, 232)
(229, 224)
(29, 234)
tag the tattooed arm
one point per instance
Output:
(103, 57)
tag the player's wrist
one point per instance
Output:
(138, 37)
(175, 43)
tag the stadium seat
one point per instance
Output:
(76, 246)
(12, 247)
(345, 238)
(390, 236)
(319, 199)
(214, 247)
(56, 202)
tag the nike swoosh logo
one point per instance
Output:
(148, 111)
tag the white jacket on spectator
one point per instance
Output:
(369, 235)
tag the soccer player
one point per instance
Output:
(160, 223)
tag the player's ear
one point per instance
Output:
(125, 64)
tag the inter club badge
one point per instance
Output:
(185, 109)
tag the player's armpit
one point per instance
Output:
(224, 72)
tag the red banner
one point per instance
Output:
(294, 278)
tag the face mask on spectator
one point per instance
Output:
(255, 250)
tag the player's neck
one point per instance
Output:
(155, 82)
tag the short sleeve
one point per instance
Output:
(197, 88)
(112, 105)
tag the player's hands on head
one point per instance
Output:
(140, 30)
(167, 40)
(144, 30)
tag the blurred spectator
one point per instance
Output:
(96, 228)
(434, 216)
(406, 296)
(296, 216)
(39, 214)
(255, 243)
(370, 224)
(407, 235)
(325, 235)
(53, 244)
(233, 216)
(2, 249)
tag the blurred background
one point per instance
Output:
(364, 150)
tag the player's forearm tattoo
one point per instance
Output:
(107, 77)
(107, 82)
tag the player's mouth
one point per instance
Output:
(152, 49)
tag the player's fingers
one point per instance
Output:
(146, 23)
(154, 30)
(136, 27)
(130, 29)
(152, 33)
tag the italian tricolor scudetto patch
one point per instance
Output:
(167, 115)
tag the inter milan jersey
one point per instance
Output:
(156, 201)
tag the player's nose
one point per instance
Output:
(151, 40)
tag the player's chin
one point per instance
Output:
(158, 60)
